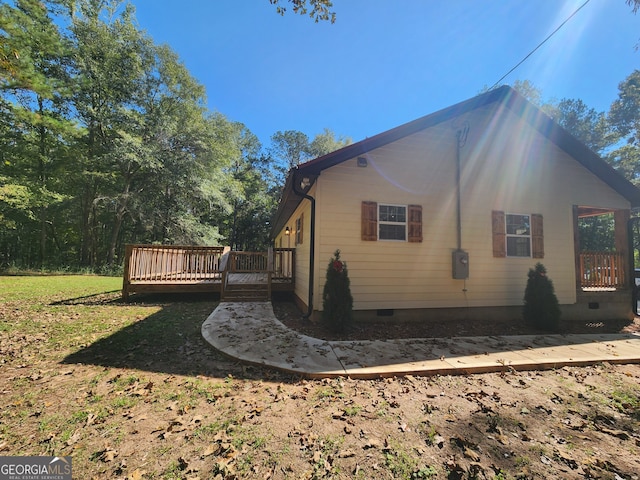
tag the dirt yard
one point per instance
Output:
(131, 391)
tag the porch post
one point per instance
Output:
(576, 247)
(621, 220)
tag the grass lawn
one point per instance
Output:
(131, 391)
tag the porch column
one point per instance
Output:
(576, 247)
(621, 219)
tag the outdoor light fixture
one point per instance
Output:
(305, 182)
(362, 162)
(287, 231)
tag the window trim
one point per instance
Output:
(299, 229)
(386, 222)
(508, 235)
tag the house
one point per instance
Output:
(443, 217)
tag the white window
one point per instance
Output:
(518, 232)
(392, 222)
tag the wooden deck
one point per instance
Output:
(171, 268)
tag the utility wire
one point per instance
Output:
(541, 43)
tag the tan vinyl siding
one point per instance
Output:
(514, 171)
(301, 288)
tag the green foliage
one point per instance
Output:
(290, 147)
(586, 124)
(105, 140)
(597, 233)
(327, 142)
(624, 117)
(337, 302)
(541, 307)
(625, 111)
(319, 10)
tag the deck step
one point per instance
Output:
(246, 293)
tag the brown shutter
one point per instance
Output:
(369, 227)
(415, 223)
(499, 234)
(537, 238)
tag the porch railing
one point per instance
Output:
(284, 265)
(602, 270)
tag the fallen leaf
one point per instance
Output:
(74, 438)
(471, 455)
(373, 443)
(346, 453)
(108, 455)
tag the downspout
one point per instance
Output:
(312, 246)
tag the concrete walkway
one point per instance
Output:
(251, 333)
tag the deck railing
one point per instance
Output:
(156, 268)
(172, 263)
(170, 267)
(602, 270)
(248, 262)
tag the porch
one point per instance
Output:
(602, 244)
(236, 276)
(604, 264)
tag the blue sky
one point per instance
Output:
(385, 62)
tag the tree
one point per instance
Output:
(337, 302)
(320, 10)
(105, 139)
(586, 124)
(112, 57)
(624, 117)
(250, 192)
(290, 148)
(541, 307)
(624, 114)
(326, 142)
(33, 115)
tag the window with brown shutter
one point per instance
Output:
(517, 235)
(415, 223)
(369, 221)
(391, 222)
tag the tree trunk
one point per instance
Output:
(117, 224)
(42, 177)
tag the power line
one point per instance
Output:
(541, 43)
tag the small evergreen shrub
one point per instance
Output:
(541, 307)
(337, 302)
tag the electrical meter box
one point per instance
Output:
(460, 265)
